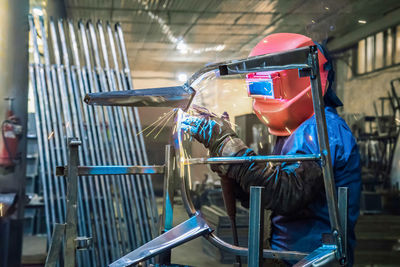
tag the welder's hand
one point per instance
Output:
(209, 130)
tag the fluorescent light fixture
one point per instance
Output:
(182, 77)
(362, 21)
(37, 11)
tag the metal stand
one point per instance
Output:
(68, 231)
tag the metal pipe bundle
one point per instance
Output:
(117, 211)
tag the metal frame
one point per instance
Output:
(306, 61)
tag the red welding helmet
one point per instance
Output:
(281, 99)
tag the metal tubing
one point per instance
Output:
(127, 126)
(133, 125)
(343, 194)
(169, 190)
(72, 196)
(68, 103)
(243, 252)
(142, 157)
(172, 97)
(239, 160)
(116, 114)
(122, 131)
(86, 154)
(256, 226)
(323, 140)
(113, 53)
(55, 245)
(103, 248)
(322, 256)
(113, 127)
(56, 127)
(42, 172)
(113, 170)
(40, 111)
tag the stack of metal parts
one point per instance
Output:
(118, 212)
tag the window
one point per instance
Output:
(378, 51)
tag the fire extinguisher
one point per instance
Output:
(11, 130)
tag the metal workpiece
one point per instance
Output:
(55, 245)
(72, 214)
(247, 159)
(323, 141)
(322, 256)
(256, 226)
(112, 170)
(343, 198)
(169, 190)
(176, 96)
(192, 228)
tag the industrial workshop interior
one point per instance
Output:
(199, 133)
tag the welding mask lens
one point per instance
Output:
(263, 88)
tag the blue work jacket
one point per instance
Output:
(303, 230)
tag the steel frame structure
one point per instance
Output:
(306, 61)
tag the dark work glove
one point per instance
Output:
(213, 132)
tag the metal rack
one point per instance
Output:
(306, 61)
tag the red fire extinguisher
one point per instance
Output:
(11, 131)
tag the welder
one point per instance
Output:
(293, 191)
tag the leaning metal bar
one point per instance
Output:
(55, 245)
(128, 129)
(113, 170)
(237, 160)
(72, 191)
(323, 140)
(78, 127)
(343, 194)
(135, 117)
(256, 226)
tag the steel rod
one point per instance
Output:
(71, 229)
(113, 170)
(127, 126)
(56, 127)
(323, 140)
(256, 226)
(102, 86)
(42, 172)
(122, 132)
(103, 247)
(43, 131)
(69, 109)
(238, 160)
(135, 118)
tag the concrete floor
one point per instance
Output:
(191, 253)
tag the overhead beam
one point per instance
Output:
(95, 8)
(350, 39)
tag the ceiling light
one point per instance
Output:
(182, 77)
(362, 21)
(326, 8)
(37, 11)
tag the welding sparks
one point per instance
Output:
(50, 135)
